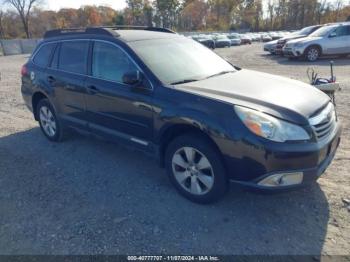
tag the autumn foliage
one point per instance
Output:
(182, 15)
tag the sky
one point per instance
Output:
(116, 4)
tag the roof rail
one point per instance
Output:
(146, 28)
(104, 30)
(89, 30)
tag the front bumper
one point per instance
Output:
(309, 159)
(293, 51)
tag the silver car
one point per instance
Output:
(271, 47)
(332, 39)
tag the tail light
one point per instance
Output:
(24, 70)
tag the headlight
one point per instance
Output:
(270, 127)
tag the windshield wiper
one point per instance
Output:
(184, 81)
(220, 73)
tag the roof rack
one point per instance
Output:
(105, 30)
(74, 31)
(146, 28)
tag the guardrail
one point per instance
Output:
(17, 46)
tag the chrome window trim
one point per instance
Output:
(92, 40)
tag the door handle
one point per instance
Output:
(92, 90)
(51, 79)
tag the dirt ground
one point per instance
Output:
(85, 196)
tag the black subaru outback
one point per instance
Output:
(207, 121)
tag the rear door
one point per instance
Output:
(115, 109)
(67, 75)
(37, 68)
(338, 41)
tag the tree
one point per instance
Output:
(2, 34)
(271, 13)
(119, 19)
(23, 8)
(193, 15)
(135, 10)
(166, 12)
(338, 6)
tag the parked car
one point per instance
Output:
(271, 47)
(275, 35)
(222, 41)
(299, 34)
(205, 40)
(266, 38)
(235, 39)
(245, 39)
(207, 121)
(333, 39)
(256, 37)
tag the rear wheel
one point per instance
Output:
(195, 168)
(49, 123)
(312, 53)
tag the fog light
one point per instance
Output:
(282, 179)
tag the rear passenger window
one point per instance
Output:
(110, 62)
(42, 57)
(73, 57)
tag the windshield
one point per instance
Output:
(323, 31)
(233, 36)
(305, 31)
(222, 37)
(180, 59)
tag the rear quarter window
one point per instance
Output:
(42, 57)
(74, 57)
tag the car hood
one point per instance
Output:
(305, 40)
(291, 37)
(281, 97)
(271, 43)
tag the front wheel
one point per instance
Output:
(196, 169)
(312, 53)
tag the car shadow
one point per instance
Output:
(86, 196)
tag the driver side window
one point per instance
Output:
(341, 31)
(110, 62)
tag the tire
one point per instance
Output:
(51, 127)
(204, 178)
(312, 53)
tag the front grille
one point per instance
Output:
(324, 122)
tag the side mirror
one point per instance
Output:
(333, 34)
(132, 78)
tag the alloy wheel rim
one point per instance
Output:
(48, 121)
(312, 54)
(193, 171)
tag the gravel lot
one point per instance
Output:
(86, 196)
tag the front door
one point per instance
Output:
(338, 41)
(115, 109)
